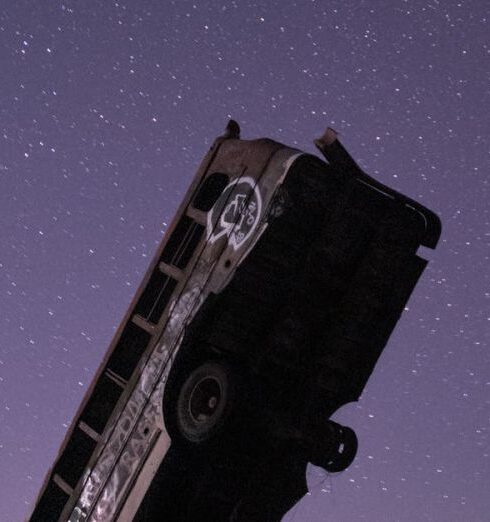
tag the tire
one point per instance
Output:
(339, 451)
(201, 402)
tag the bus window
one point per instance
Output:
(210, 191)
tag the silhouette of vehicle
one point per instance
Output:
(264, 310)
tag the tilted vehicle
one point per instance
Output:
(264, 310)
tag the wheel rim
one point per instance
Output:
(205, 400)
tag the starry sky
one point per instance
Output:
(106, 109)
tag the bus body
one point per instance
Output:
(264, 309)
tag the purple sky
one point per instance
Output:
(106, 109)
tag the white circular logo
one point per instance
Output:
(236, 213)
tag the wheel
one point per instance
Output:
(337, 450)
(345, 453)
(201, 402)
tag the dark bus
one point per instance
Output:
(264, 310)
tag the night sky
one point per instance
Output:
(106, 109)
